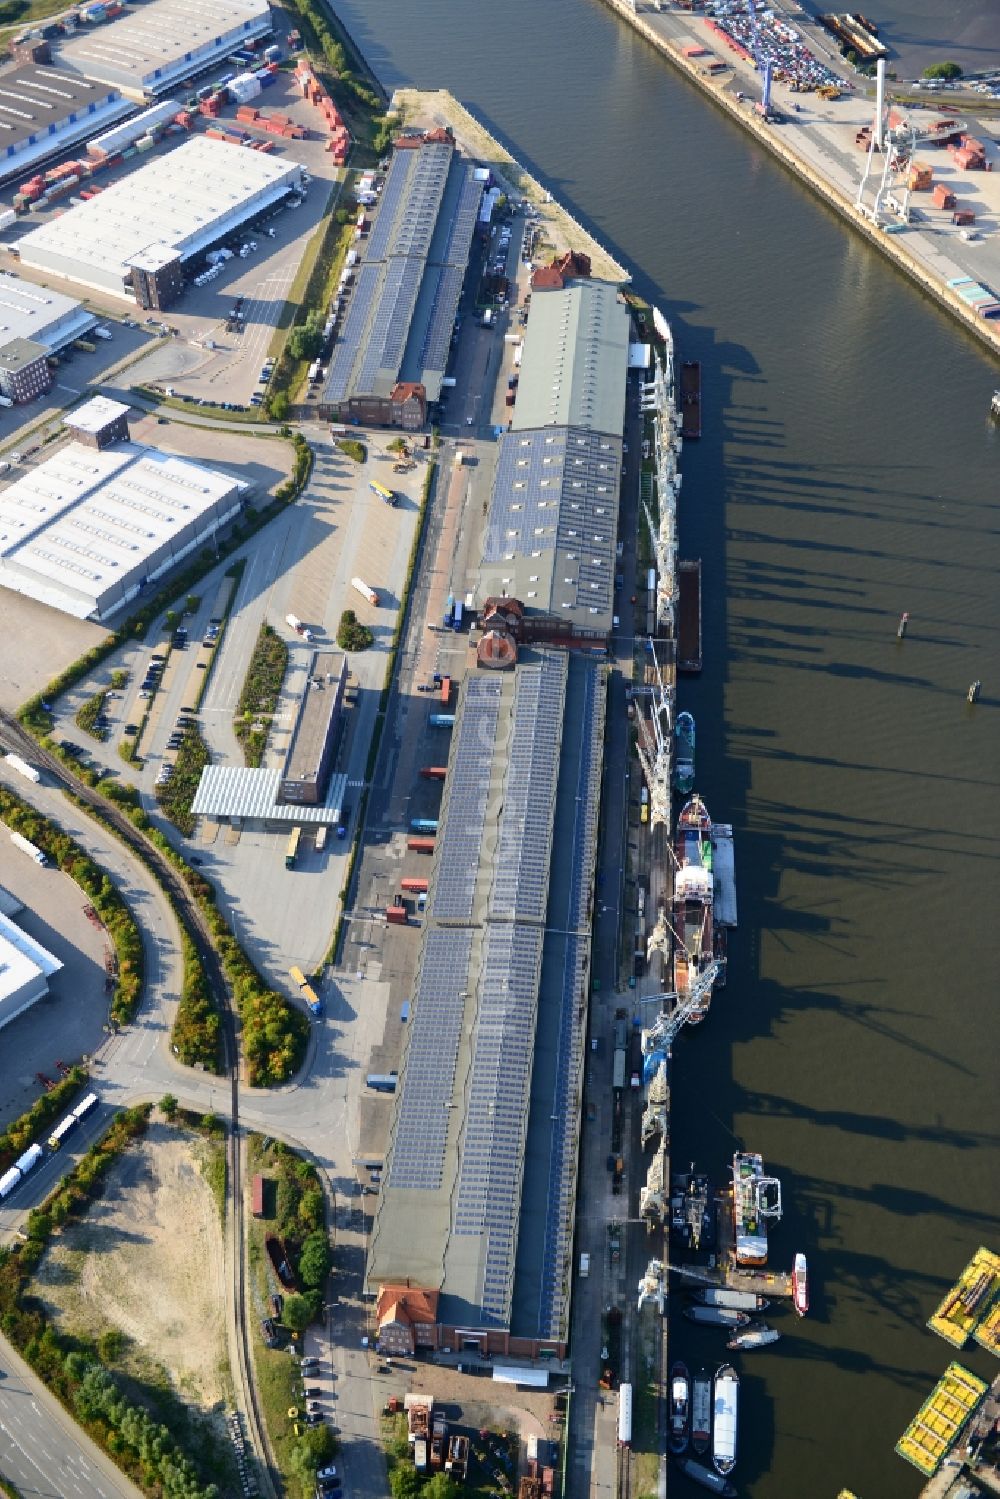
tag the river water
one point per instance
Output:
(847, 473)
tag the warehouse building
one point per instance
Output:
(252, 797)
(150, 224)
(394, 341)
(149, 49)
(553, 521)
(314, 738)
(89, 529)
(25, 969)
(477, 1200)
(44, 317)
(44, 110)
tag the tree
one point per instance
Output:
(943, 70)
(405, 1482)
(169, 1106)
(297, 1313)
(278, 406)
(305, 341)
(314, 1261)
(351, 634)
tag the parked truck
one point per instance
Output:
(424, 824)
(442, 720)
(294, 623)
(28, 848)
(382, 1082)
(23, 768)
(434, 772)
(360, 586)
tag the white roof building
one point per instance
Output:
(183, 203)
(149, 49)
(89, 529)
(25, 969)
(43, 316)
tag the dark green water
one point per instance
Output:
(847, 473)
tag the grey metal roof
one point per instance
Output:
(575, 360)
(226, 791)
(553, 524)
(402, 307)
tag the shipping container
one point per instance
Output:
(434, 772)
(446, 688)
(85, 1106)
(414, 885)
(382, 1082)
(396, 915)
(257, 1197)
(421, 845)
(8, 1182)
(442, 720)
(424, 824)
(29, 1160)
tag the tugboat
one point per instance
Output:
(692, 1212)
(694, 893)
(701, 1411)
(684, 754)
(800, 1285)
(680, 1407)
(727, 1396)
(717, 1316)
(757, 1335)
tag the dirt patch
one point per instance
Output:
(148, 1260)
(473, 1400)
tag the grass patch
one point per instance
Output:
(176, 795)
(309, 297)
(88, 714)
(260, 693)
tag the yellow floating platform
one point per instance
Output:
(969, 1299)
(937, 1425)
(987, 1334)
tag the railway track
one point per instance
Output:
(14, 737)
(623, 1487)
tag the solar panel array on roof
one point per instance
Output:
(414, 226)
(488, 1199)
(521, 880)
(464, 809)
(366, 288)
(574, 958)
(395, 187)
(437, 340)
(463, 225)
(389, 323)
(421, 1128)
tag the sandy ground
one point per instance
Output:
(149, 1260)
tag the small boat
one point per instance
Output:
(680, 1407)
(724, 1419)
(692, 1211)
(716, 1316)
(706, 1477)
(757, 1335)
(684, 754)
(701, 1411)
(740, 1301)
(800, 1285)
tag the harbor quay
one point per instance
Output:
(822, 142)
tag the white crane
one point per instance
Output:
(656, 748)
(651, 1287)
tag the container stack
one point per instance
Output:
(970, 154)
(340, 141)
(943, 197)
(919, 178)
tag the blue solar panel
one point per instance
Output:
(464, 810)
(393, 191)
(436, 1017)
(521, 879)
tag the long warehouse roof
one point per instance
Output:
(35, 100)
(575, 360)
(239, 791)
(175, 201)
(28, 310)
(455, 1190)
(159, 38)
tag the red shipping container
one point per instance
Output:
(963, 216)
(414, 886)
(395, 915)
(420, 844)
(943, 196)
(257, 1205)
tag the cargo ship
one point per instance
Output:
(727, 1397)
(701, 1411)
(800, 1285)
(742, 1301)
(689, 616)
(756, 1198)
(684, 754)
(690, 398)
(717, 1316)
(694, 893)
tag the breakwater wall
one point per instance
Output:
(891, 245)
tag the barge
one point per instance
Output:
(690, 398)
(689, 615)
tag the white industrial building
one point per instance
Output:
(182, 204)
(151, 48)
(43, 316)
(89, 529)
(45, 110)
(25, 969)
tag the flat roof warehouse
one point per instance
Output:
(149, 49)
(185, 201)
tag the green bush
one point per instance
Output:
(176, 795)
(943, 70)
(352, 635)
(89, 713)
(33, 1124)
(353, 449)
(260, 693)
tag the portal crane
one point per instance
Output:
(656, 749)
(660, 1036)
(764, 67)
